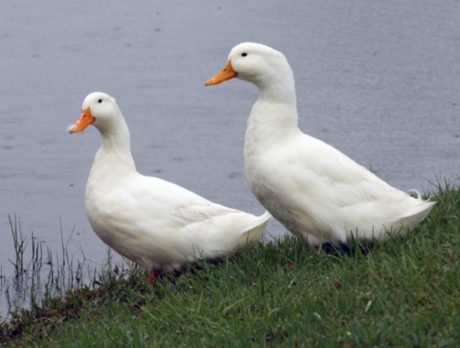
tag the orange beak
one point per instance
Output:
(225, 74)
(84, 121)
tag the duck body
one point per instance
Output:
(317, 192)
(155, 223)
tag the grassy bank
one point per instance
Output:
(401, 293)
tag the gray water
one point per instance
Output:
(380, 80)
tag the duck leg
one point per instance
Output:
(153, 275)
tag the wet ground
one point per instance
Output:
(378, 80)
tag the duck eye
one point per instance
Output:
(244, 54)
(100, 100)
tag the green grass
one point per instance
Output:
(402, 293)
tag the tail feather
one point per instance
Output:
(254, 234)
(414, 193)
(417, 214)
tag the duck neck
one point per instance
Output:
(278, 88)
(274, 115)
(116, 144)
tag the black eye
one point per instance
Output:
(100, 100)
(244, 54)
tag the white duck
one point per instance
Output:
(155, 223)
(314, 190)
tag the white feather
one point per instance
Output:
(314, 190)
(155, 223)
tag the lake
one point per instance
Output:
(378, 80)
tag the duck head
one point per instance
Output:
(255, 63)
(98, 109)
